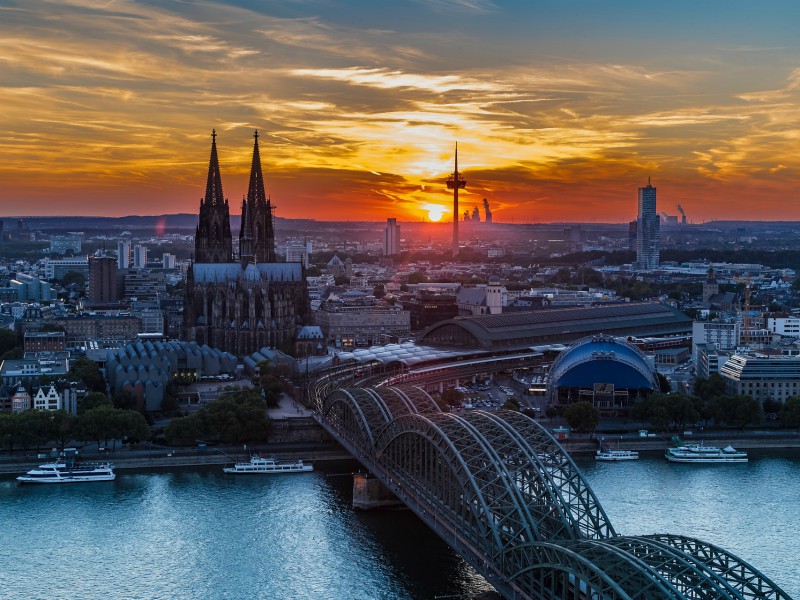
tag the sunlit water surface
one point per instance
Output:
(202, 534)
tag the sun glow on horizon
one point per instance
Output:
(435, 212)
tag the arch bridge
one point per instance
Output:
(499, 489)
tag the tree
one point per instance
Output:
(33, 428)
(452, 397)
(239, 417)
(706, 390)
(8, 341)
(170, 405)
(417, 277)
(13, 354)
(93, 400)
(107, 423)
(666, 410)
(8, 433)
(124, 400)
(184, 431)
(73, 277)
(510, 404)
(737, 411)
(63, 427)
(663, 384)
(790, 413)
(582, 416)
(86, 370)
(709, 388)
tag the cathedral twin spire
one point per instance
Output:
(213, 241)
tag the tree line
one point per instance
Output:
(710, 404)
(238, 416)
(33, 429)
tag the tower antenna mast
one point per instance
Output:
(455, 183)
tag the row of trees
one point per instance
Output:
(238, 416)
(35, 428)
(709, 403)
(676, 411)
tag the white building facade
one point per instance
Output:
(762, 376)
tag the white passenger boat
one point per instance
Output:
(260, 464)
(616, 455)
(700, 453)
(69, 471)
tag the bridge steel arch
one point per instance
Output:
(498, 488)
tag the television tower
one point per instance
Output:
(455, 183)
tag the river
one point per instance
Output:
(197, 533)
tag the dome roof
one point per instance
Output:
(602, 359)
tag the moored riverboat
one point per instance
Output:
(700, 453)
(265, 465)
(69, 471)
(616, 455)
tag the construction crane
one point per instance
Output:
(746, 318)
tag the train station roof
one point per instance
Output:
(408, 353)
(558, 325)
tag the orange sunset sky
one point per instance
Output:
(561, 109)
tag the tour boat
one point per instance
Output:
(260, 464)
(699, 453)
(616, 455)
(69, 471)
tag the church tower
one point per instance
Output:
(212, 241)
(710, 285)
(257, 237)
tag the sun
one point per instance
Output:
(435, 212)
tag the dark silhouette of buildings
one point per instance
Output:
(241, 307)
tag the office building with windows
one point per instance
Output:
(391, 238)
(648, 230)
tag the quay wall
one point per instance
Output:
(742, 440)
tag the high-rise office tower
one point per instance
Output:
(102, 280)
(648, 230)
(124, 254)
(139, 257)
(391, 238)
(455, 183)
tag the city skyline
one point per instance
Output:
(561, 112)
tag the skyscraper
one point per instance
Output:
(102, 280)
(124, 254)
(139, 257)
(648, 230)
(391, 238)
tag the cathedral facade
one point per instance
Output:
(241, 306)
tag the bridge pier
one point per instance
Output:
(369, 493)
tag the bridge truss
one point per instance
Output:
(499, 489)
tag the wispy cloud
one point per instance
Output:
(103, 98)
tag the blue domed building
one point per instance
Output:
(606, 371)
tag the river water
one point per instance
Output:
(205, 535)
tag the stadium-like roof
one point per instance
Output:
(601, 360)
(558, 325)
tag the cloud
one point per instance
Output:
(360, 113)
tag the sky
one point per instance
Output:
(561, 109)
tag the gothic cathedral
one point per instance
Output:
(241, 307)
